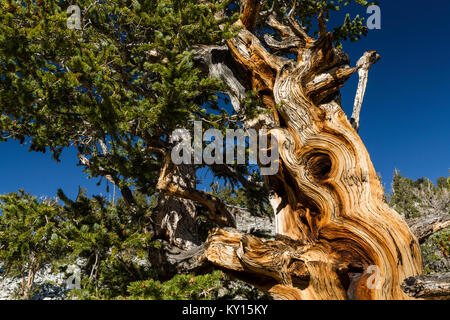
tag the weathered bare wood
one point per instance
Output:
(271, 265)
(285, 45)
(424, 227)
(364, 64)
(219, 63)
(430, 287)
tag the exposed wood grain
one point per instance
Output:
(333, 224)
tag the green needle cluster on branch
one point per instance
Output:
(118, 86)
(30, 237)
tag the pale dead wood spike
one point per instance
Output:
(364, 64)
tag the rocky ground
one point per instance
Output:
(49, 285)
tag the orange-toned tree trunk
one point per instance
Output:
(336, 236)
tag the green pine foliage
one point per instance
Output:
(31, 236)
(180, 287)
(403, 198)
(127, 78)
(435, 250)
(307, 10)
(110, 240)
(256, 201)
(420, 197)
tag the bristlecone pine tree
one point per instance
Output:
(136, 70)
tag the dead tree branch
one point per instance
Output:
(364, 64)
(424, 227)
(430, 287)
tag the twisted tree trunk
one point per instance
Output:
(174, 218)
(336, 236)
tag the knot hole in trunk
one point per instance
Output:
(319, 165)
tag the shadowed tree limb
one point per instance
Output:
(125, 191)
(229, 171)
(218, 211)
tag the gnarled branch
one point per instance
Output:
(271, 265)
(250, 13)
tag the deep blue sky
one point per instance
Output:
(405, 117)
